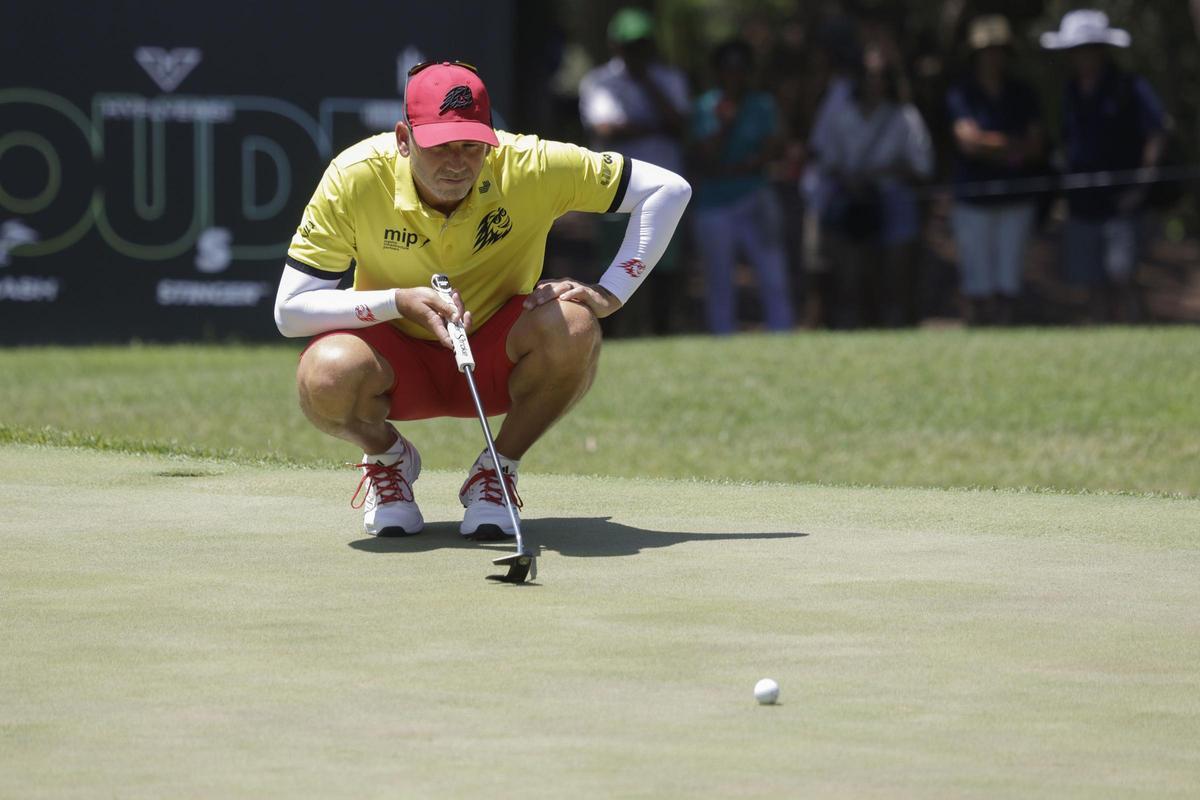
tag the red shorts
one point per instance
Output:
(428, 383)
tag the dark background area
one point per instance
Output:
(188, 243)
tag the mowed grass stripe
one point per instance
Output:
(1068, 409)
(202, 628)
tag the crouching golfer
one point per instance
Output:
(447, 193)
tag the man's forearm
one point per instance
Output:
(654, 200)
(306, 306)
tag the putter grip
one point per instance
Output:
(458, 334)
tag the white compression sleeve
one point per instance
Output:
(306, 306)
(655, 200)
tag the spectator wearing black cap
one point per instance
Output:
(735, 135)
(998, 138)
(1112, 120)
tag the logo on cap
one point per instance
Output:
(457, 97)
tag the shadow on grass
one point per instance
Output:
(574, 537)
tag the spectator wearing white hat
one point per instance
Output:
(998, 136)
(1112, 120)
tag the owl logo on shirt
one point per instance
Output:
(494, 226)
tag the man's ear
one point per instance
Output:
(402, 134)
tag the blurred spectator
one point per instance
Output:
(836, 60)
(998, 136)
(789, 78)
(876, 148)
(735, 135)
(638, 106)
(1112, 120)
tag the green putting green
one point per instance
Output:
(191, 628)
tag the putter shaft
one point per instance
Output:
(522, 564)
(491, 446)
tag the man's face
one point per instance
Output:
(638, 55)
(1088, 60)
(444, 174)
(993, 59)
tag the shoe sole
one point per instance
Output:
(395, 532)
(488, 533)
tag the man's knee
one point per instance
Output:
(335, 371)
(567, 333)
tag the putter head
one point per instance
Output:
(520, 566)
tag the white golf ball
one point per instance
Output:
(766, 692)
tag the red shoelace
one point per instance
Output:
(491, 487)
(389, 482)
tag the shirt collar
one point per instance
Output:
(406, 192)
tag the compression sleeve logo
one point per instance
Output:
(634, 267)
(363, 313)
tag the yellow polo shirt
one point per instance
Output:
(366, 213)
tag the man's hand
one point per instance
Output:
(601, 301)
(425, 307)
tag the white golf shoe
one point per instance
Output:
(486, 519)
(389, 508)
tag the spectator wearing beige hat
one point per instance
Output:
(998, 138)
(1112, 120)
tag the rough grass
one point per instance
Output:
(1067, 409)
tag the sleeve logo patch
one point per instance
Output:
(634, 267)
(365, 314)
(494, 226)
(606, 168)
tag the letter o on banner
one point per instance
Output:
(40, 145)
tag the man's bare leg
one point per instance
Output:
(556, 348)
(343, 385)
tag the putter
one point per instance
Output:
(523, 563)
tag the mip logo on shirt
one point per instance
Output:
(402, 239)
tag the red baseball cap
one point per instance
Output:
(448, 103)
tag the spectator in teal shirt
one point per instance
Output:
(734, 136)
